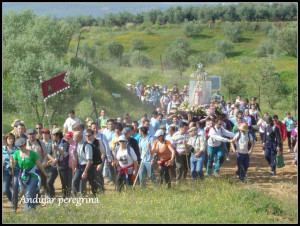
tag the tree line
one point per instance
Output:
(206, 13)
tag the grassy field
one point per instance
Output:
(216, 200)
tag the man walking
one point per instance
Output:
(216, 134)
(179, 141)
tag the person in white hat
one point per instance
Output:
(166, 156)
(126, 160)
(197, 146)
(243, 150)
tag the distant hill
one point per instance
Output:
(95, 9)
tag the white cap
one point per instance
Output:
(159, 133)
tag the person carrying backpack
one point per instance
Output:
(97, 165)
(197, 145)
(84, 152)
(271, 142)
(216, 134)
(242, 150)
(126, 160)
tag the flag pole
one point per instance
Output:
(46, 109)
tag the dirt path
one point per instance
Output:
(258, 176)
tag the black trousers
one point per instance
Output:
(52, 171)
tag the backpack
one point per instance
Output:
(207, 132)
(96, 151)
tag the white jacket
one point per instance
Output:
(216, 136)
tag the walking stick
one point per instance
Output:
(13, 184)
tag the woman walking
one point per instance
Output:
(127, 160)
(10, 175)
(166, 156)
(61, 149)
(30, 167)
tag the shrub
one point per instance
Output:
(265, 48)
(224, 46)
(125, 61)
(233, 31)
(266, 27)
(139, 59)
(114, 49)
(192, 28)
(214, 57)
(136, 44)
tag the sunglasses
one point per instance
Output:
(122, 141)
(88, 135)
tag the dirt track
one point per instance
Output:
(284, 184)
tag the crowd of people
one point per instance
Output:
(124, 150)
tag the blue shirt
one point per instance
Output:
(6, 156)
(137, 136)
(289, 123)
(143, 145)
(233, 120)
(155, 124)
(109, 135)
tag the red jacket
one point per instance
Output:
(282, 129)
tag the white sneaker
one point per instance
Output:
(111, 183)
(216, 174)
(289, 150)
(263, 152)
(227, 158)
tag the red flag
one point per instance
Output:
(54, 85)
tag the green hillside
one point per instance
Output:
(109, 77)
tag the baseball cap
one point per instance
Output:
(68, 134)
(159, 133)
(45, 131)
(31, 131)
(20, 142)
(122, 138)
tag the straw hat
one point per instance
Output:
(15, 121)
(243, 127)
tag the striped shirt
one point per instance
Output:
(178, 142)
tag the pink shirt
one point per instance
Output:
(71, 148)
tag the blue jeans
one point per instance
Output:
(8, 190)
(243, 165)
(212, 151)
(146, 168)
(30, 193)
(270, 154)
(197, 166)
(108, 170)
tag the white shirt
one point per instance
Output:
(170, 105)
(102, 139)
(124, 159)
(262, 126)
(70, 122)
(242, 146)
(84, 156)
(216, 136)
